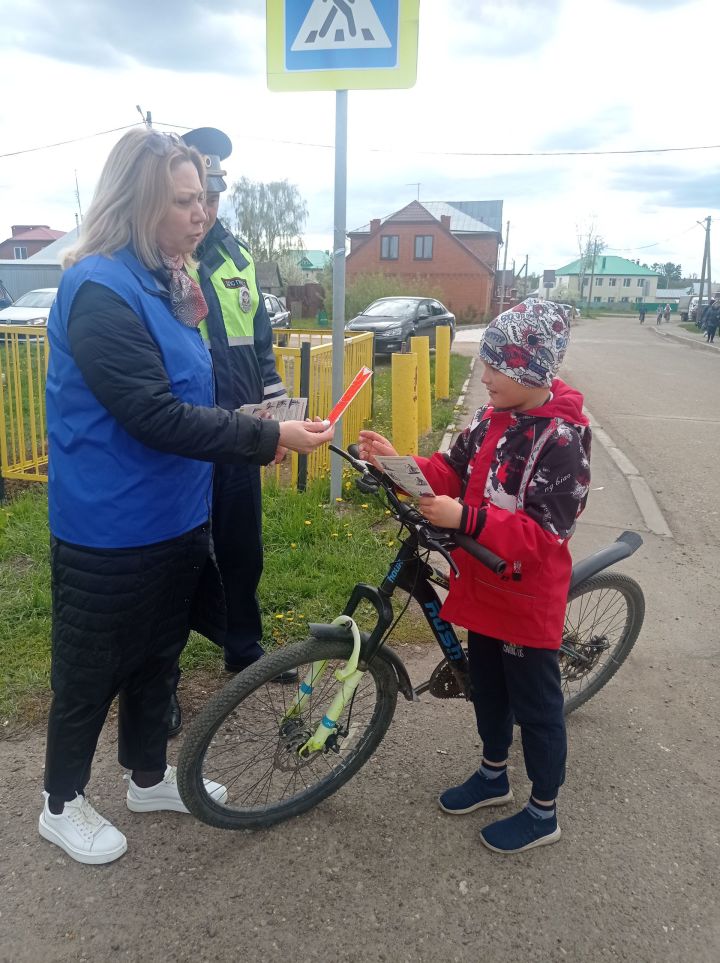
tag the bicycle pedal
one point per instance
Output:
(444, 683)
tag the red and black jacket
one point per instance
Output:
(523, 479)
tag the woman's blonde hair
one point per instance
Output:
(132, 196)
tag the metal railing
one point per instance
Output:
(304, 360)
(23, 430)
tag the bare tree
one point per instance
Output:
(590, 244)
(270, 218)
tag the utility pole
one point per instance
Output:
(147, 118)
(502, 282)
(592, 273)
(77, 197)
(417, 185)
(705, 268)
(527, 282)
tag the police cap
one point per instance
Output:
(214, 146)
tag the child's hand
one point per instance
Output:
(441, 510)
(371, 444)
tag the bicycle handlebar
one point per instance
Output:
(431, 536)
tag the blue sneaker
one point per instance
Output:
(520, 832)
(475, 793)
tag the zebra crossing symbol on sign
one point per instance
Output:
(341, 25)
(342, 44)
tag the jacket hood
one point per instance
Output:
(566, 403)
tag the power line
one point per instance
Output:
(61, 143)
(391, 150)
(645, 247)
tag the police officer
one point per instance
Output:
(239, 336)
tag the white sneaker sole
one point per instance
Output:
(80, 855)
(543, 841)
(166, 805)
(494, 801)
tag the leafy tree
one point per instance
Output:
(670, 274)
(269, 217)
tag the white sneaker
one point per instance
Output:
(82, 832)
(165, 795)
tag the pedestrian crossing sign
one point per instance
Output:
(342, 44)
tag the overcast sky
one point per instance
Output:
(494, 75)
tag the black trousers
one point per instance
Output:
(237, 541)
(120, 622)
(520, 684)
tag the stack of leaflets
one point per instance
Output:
(279, 409)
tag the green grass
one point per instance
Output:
(314, 554)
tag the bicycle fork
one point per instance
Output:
(349, 678)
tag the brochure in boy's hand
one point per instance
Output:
(278, 409)
(405, 473)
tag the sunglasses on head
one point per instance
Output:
(161, 144)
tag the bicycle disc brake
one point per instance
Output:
(449, 683)
(579, 658)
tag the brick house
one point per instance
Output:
(26, 240)
(443, 245)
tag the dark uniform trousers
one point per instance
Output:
(237, 542)
(120, 621)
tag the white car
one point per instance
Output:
(31, 309)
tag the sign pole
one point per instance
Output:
(338, 329)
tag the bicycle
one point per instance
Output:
(281, 750)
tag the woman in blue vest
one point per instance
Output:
(133, 431)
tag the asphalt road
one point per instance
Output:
(377, 873)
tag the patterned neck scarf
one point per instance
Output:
(186, 299)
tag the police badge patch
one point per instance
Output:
(241, 286)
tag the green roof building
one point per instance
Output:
(615, 280)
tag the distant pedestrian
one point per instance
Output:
(712, 320)
(666, 312)
(659, 315)
(643, 312)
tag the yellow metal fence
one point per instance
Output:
(23, 433)
(303, 358)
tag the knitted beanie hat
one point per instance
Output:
(528, 342)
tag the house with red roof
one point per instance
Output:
(26, 240)
(451, 246)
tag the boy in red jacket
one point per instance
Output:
(516, 480)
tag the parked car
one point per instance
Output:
(394, 321)
(279, 315)
(30, 309)
(5, 297)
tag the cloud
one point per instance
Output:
(594, 134)
(183, 35)
(654, 6)
(507, 29)
(672, 186)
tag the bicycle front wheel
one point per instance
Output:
(603, 619)
(249, 740)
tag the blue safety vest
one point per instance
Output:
(107, 490)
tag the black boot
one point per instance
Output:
(175, 716)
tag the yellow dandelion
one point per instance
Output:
(279, 616)
(388, 512)
(334, 535)
(349, 534)
(348, 485)
(390, 544)
(364, 506)
(308, 522)
(339, 499)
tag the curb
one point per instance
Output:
(451, 430)
(683, 339)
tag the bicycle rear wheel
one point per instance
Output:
(603, 619)
(245, 740)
